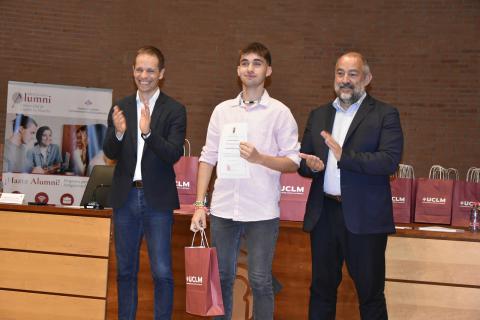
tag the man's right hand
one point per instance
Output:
(119, 120)
(199, 220)
(313, 162)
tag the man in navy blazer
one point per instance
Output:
(350, 148)
(146, 132)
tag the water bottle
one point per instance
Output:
(474, 217)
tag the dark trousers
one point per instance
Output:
(364, 254)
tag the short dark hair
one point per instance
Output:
(258, 48)
(23, 121)
(40, 132)
(152, 51)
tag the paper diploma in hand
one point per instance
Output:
(230, 164)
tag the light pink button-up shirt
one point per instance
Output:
(273, 131)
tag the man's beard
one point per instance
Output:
(348, 98)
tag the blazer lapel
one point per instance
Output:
(157, 113)
(365, 108)
(328, 125)
(158, 110)
(132, 122)
(330, 118)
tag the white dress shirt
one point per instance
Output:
(140, 141)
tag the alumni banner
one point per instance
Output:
(53, 137)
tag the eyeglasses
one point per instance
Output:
(149, 71)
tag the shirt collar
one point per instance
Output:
(353, 108)
(152, 100)
(264, 100)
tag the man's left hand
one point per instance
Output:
(250, 153)
(145, 119)
(332, 144)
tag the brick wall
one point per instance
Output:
(424, 57)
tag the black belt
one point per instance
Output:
(336, 198)
(137, 184)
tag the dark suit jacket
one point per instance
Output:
(370, 154)
(162, 149)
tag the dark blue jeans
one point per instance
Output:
(131, 222)
(260, 239)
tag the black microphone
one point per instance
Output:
(93, 204)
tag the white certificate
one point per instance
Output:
(230, 165)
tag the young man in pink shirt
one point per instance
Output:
(247, 189)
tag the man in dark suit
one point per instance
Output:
(350, 148)
(146, 132)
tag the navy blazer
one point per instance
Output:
(162, 149)
(371, 152)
